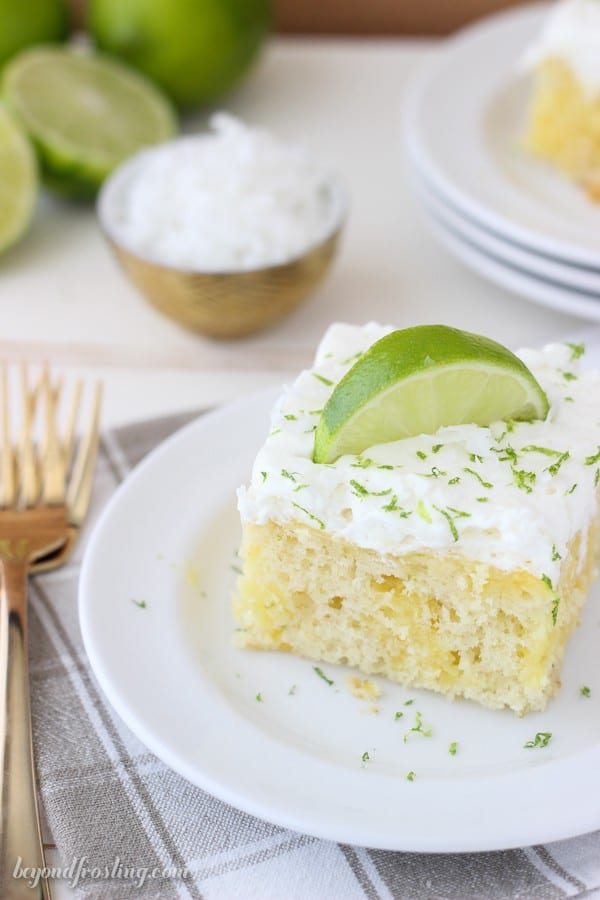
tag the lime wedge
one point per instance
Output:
(417, 380)
(18, 181)
(85, 113)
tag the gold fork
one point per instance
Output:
(45, 489)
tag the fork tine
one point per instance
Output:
(80, 484)
(69, 435)
(30, 484)
(53, 465)
(50, 394)
(8, 488)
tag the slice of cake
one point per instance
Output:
(457, 561)
(564, 126)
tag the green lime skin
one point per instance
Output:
(196, 50)
(408, 354)
(27, 22)
(18, 181)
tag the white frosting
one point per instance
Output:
(512, 528)
(572, 33)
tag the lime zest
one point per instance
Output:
(418, 728)
(577, 350)
(326, 381)
(555, 467)
(291, 476)
(593, 459)
(362, 463)
(542, 739)
(141, 604)
(547, 451)
(524, 480)
(323, 676)
(482, 481)
(359, 490)
(556, 598)
(450, 514)
(422, 512)
(392, 506)
(310, 515)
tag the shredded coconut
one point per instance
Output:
(234, 199)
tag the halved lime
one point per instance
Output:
(417, 380)
(18, 180)
(85, 114)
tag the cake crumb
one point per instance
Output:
(363, 688)
(372, 710)
(192, 575)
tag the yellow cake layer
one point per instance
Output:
(564, 126)
(429, 619)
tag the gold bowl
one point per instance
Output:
(227, 304)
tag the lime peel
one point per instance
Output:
(18, 181)
(420, 379)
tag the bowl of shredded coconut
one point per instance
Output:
(225, 231)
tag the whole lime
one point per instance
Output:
(194, 49)
(31, 22)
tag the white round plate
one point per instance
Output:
(263, 731)
(465, 118)
(518, 280)
(570, 278)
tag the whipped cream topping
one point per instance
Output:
(512, 495)
(571, 33)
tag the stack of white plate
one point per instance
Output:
(503, 213)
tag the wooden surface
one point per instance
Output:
(382, 17)
(368, 17)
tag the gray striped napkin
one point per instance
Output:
(126, 826)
